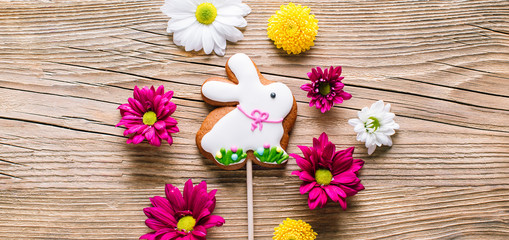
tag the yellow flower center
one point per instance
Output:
(324, 88)
(186, 223)
(206, 13)
(149, 118)
(323, 176)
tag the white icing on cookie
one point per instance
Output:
(235, 128)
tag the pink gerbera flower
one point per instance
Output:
(326, 88)
(178, 217)
(148, 116)
(327, 172)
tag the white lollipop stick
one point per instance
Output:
(249, 181)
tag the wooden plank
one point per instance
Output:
(66, 172)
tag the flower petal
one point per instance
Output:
(127, 108)
(322, 199)
(212, 198)
(151, 133)
(208, 40)
(356, 122)
(148, 236)
(187, 6)
(342, 203)
(307, 87)
(174, 197)
(219, 39)
(199, 231)
(305, 176)
(350, 191)
(347, 178)
(342, 161)
(154, 224)
(196, 43)
(134, 129)
(155, 141)
(306, 151)
(234, 10)
(313, 203)
(306, 187)
(317, 197)
(181, 38)
(371, 149)
(163, 203)
(212, 221)
(232, 20)
(319, 143)
(345, 96)
(304, 164)
(188, 191)
(137, 106)
(231, 33)
(160, 215)
(315, 193)
(334, 192)
(378, 106)
(178, 24)
(387, 107)
(202, 214)
(357, 165)
(219, 50)
(160, 125)
(138, 139)
(170, 235)
(327, 154)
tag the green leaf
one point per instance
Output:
(226, 156)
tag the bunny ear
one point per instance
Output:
(244, 70)
(219, 91)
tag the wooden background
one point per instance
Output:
(66, 172)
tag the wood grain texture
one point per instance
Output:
(66, 172)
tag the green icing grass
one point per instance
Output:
(271, 155)
(226, 156)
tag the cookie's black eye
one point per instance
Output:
(273, 95)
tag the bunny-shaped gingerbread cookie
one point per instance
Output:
(255, 119)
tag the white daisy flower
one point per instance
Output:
(375, 125)
(206, 24)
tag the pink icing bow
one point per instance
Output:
(258, 118)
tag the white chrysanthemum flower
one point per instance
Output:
(206, 24)
(375, 125)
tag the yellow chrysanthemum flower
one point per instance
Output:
(294, 230)
(293, 28)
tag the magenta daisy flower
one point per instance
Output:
(326, 88)
(327, 172)
(178, 217)
(148, 116)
